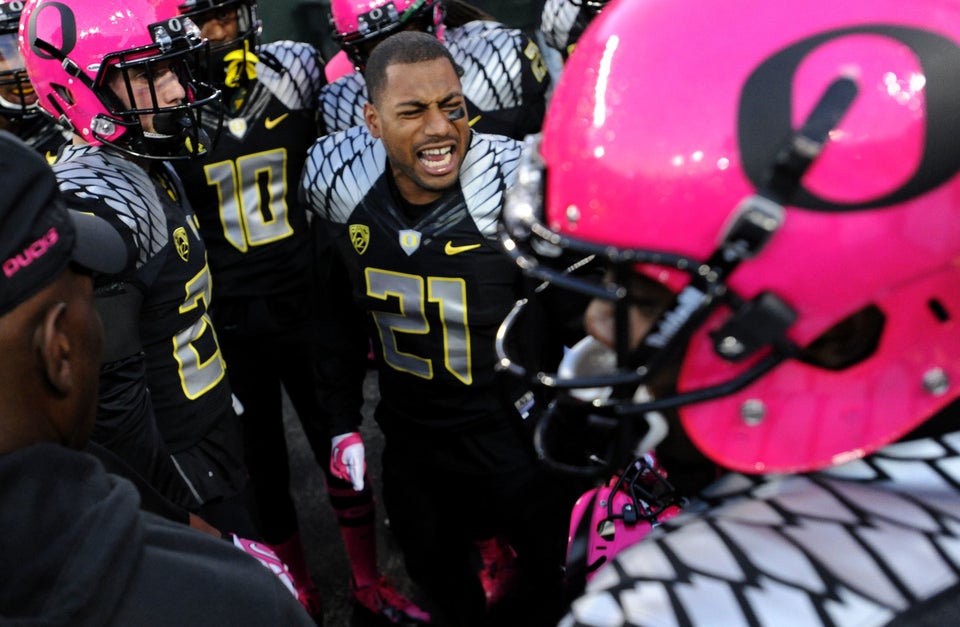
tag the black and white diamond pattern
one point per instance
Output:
(857, 545)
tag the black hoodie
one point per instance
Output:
(77, 550)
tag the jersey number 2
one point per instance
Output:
(198, 373)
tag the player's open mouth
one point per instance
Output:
(437, 161)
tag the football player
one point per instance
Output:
(259, 248)
(774, 188)
(505, 82)
(409, 204)
(119, 74)
(79, 548)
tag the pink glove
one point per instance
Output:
(266, 556)
(347, 458)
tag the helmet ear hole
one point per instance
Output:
(64, 93)
(848, 342)
(939, 310)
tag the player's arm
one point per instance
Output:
(557, 20)
(342, 366)
(343, 346)
(125, 419)
(563, 21)
(527, 116)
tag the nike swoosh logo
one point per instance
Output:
(272, 123)
(450, 249)
(474, 120)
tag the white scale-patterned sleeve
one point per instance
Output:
(340, 170)
(298, 85)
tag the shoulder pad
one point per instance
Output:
(292, 70)
(122, 187)
(341, 102)
(340, 170)
(489, 168)
(492, 61)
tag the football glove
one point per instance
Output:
(266, 556)
(348, 459)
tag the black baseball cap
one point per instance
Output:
(39, 235)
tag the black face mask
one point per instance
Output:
(178, 134)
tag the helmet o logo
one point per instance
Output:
(766, 107)
(376, 14)
(174, 25)
(68, 26)
(15, 7)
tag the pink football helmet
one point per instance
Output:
(358, 25)
(617, 514)
(792, 177)
(71, 48)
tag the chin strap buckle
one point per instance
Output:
(758, 323)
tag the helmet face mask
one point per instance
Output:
(358, 25)
(169, 127)
(610, 387)
(249, 25)
(618, 514)
(105, 83)
(797, 198)
(18, 100)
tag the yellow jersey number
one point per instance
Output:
(537, 65)
(198, 373)
(253, 198)
(413, 293)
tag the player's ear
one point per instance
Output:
(372, 118)
(54, 348)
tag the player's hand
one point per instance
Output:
(347, 458)
(266, 556)
(201, 525)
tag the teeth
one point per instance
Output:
(434, 158)
(438, 163)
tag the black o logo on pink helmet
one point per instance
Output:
(68, 26)
(764, 115)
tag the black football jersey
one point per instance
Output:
(185, 370)
(434, 288)
(244, 190)
(43, 135)
(505, 82)
(872, 542)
